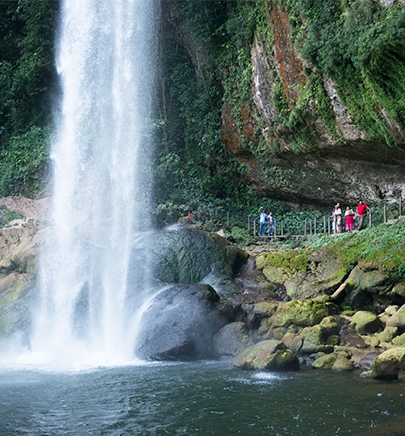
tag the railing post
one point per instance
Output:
(305, 228)
(324, 225)
(275, 228)
(254, 228)
(369, 219)
(314, 225)
(385, 213)
(282, 228)
(248, 223)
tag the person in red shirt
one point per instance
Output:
(362, 209)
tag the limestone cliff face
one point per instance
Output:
(340, 165)
(325, 157)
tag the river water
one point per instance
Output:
(203, 398)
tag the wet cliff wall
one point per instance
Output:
(301, 101)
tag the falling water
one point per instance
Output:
(100, 193)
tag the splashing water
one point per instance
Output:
(101, 189)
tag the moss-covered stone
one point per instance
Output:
(300, 312)
(271, 355)
(342, 363)
(399, 341)
(289, 261)
(366, 322)
(387, 334)
(389, 364)
(326, 361)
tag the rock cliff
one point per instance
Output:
(306, 107)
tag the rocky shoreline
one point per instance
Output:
(274, 310)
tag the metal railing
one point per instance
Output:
(324, 224)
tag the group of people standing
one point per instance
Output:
(350, 217)
(266, 223)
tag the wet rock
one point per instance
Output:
(348, 335)
(364, 360)
(184, 254)
(232, 339)
(257, 312)
(180, 324)
(271, 355)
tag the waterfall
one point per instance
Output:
(100, 183)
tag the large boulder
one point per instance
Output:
(390, 364)
(366, 322)
(271, 355)
(179, 324)
(184, 254)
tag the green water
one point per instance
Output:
(205, 398)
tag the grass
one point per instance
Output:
(382, 246)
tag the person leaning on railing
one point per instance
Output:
(362, 209)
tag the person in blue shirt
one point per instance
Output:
(263, 218)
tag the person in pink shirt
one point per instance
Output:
(362, 209)
(349, 219)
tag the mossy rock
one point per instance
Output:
(399, 341)
(311, 340)
(371, 281)
(289, 261)
(303, 313)
(366, 322)
(324, 362)
(389, 364)
(387, 334)
(342, 363)
(271, 355)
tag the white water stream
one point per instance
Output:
(100, 194)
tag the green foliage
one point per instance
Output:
(27, 79)
(239, 236)
(210, 65)
(26, 65)
(24, 162)
(360, 45)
